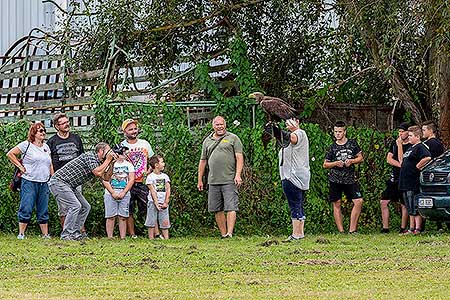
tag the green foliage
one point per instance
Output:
(263, 207)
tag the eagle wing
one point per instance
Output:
(277, 108)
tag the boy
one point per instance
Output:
(341, 159)
(414, 159)
(158, 198)
(392, 193)
(117, 196)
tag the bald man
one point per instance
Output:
(222, 153)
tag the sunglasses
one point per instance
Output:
(41, 130)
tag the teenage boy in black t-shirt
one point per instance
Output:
(340, 159)
(435, 147)
(392, 193)
(414, 159)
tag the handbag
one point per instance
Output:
(16, 181)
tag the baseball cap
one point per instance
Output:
(128, 122)
(404, 126)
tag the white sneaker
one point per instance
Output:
(46, 236)
(21, 236)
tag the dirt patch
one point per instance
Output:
(314, 262)
(322, 240)
(62, 267)
(269, 243)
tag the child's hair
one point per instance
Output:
(154, 160)
(340, 124)
(415, 130)
(430, 125)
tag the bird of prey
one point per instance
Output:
(274, 108)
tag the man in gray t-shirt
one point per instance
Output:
(295, 175)
(222, 153)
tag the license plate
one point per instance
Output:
(425, 202)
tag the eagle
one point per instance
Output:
(274, 108)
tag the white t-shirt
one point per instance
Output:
(159, 183)
(138, 154)
(119, 178)
(37, 161)
(295, 166)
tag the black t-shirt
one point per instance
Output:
(344, 175)
(64, 150)
(435, 147)
(409, 174)
(395, 174)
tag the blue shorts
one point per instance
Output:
(411, 202)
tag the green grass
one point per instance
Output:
(328, 266)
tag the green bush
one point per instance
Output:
(263, 208)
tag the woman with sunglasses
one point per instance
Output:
(36, 168)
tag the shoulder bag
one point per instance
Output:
(16, 181)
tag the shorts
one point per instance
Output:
(296, 198)
(351, 191)
(62, 208)
(115, 207)
(411, 202)
(223, 197)
(139, 194)
(392, 192)
(154, 215)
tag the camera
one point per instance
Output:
(119, 149)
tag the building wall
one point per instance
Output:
(18, 17)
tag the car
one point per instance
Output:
(434, 197)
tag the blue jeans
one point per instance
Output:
(295, 197)
(33, 194)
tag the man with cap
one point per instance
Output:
(392, 193)
(138, 153)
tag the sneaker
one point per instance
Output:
(21, 236)
(416, 232)
(409, 231)
(353, 232)
(403, 230)
(385, 230)
(134, 236)
(46, 236)
(161, 237)
(227, 236)
(292, 238)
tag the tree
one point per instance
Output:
(408, 47)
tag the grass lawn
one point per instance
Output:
(328, 266)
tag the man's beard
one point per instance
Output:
(131, 136)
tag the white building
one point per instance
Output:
(18, 17)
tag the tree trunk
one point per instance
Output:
(441, 96)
